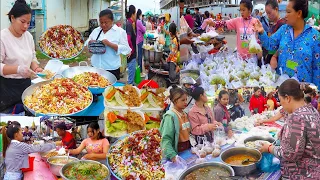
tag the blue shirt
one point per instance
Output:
(111, 59)
(303, 50)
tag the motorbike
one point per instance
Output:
(234, 112)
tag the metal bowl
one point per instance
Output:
(55, 168)
(255, 138)
(206, 164)
(30, 90)
(63, 169)
(242, 170)
(63, 58)
(73, 71)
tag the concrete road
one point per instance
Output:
(231, 39)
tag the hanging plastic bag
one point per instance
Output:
(254, 47)
(173, 170)
(137, 76)
(269, 163)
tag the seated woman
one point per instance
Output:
(16, 152)
(175, 127)
(221, 113)
(299, 138)
(258, 103)
(201, 116)
(96, 145)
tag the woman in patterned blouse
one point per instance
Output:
(298, 44)
(300, 136)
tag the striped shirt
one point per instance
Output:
(17, 154)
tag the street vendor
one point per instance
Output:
(175, 127)
(16, 152)
(258, 103)
(67, 140)
(201, 116)
(165, 29)
(96, 145)
(115, 40)
(298, 44)
(18, 57)
(299, 137)
(221, 113)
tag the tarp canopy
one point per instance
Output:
(148, 13)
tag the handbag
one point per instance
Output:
(97, 47)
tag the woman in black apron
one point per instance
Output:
(18, 60)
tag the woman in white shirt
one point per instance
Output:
(115, 40)
(18, 58)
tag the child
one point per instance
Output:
(201, 116)
(175, 127)
(243, 26)
(271, 102)
(221, 113)
(16, 154)
(174, 53)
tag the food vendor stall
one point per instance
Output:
(132, 115)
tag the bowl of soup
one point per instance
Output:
(235, 157)
(207, 171)
(57, 162)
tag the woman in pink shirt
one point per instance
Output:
(201, 117)
(96, 145)
(18, 57)
(207, 24)
(244, 28)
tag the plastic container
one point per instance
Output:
(31, 160)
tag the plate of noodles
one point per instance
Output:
(61, 42)
(96, 80)
(60, 96)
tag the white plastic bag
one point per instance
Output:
(173, 170)
(254, 47)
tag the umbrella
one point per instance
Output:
(148, 13)
(149, 83)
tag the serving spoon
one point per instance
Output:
(245, 161)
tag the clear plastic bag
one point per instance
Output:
(254, 47)
(173, 170)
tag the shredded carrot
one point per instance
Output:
(112, 117)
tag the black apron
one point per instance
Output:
(11, 91)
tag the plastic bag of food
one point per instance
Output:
(269, 163)
(173, 170)
(254, 47)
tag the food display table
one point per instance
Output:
(191, 158)
(40, 170)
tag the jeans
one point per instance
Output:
(140, 55)
(131, 71)
(13, 176)
(171, 67)
(239, 111)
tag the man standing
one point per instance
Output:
(197, 16)
(66, 137)
(311, 20)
